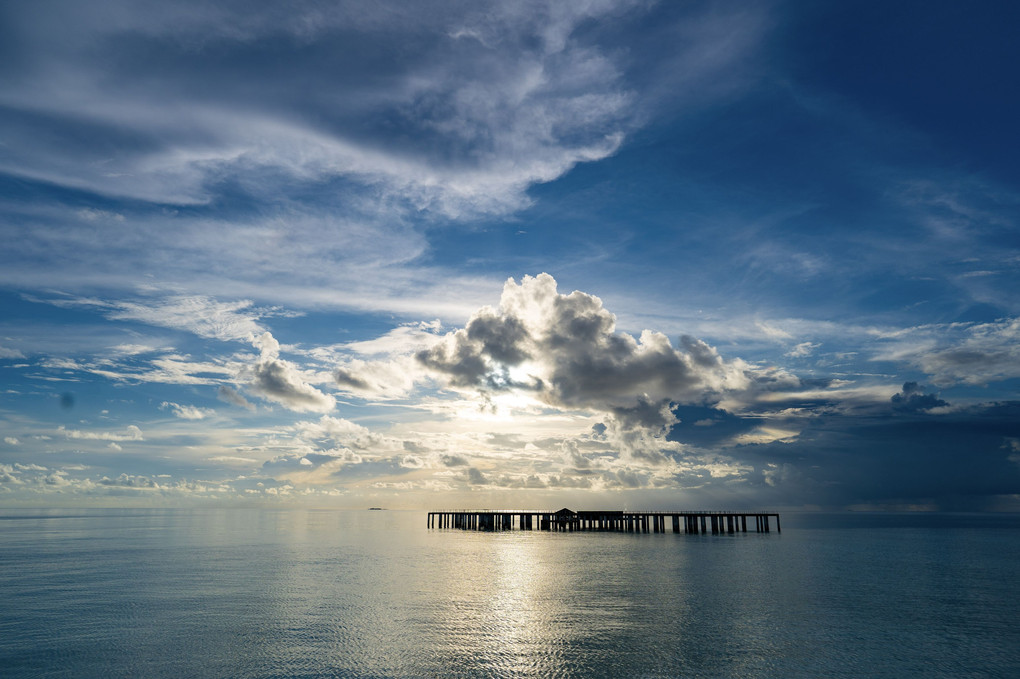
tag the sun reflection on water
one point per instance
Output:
(530, 602)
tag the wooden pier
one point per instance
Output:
(690, 522)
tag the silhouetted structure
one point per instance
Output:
(691, 522)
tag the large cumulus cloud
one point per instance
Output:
(565, 349)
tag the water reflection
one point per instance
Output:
(302, 593)
(601, 604)
(525, 604)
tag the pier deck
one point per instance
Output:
(692, 522)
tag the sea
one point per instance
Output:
(288, 593)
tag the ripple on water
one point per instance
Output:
(346, 594)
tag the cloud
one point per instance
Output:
(56, 479)
(405, 337)
(331, 467)
(319, 186)
(328, 433)
(412, 462)
(643, 440)
(542, 352)
(913, 399)
(129, 481)
(93, 215)
(281, 381)
(393, 378)
(165, 369)
(134, 349)
(960, 353)
(130, 433)
(989, 352)
(10, 353)
(7, 474)
(11, 441)
(706, 427)
(566, 351)
(486, 100)
(761, 435)
(333, 450)
(803, 349)
(186, 412)
(229, 395)
(954, 460)
(233, 459)
(197, 314)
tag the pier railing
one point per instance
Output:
(698, 522)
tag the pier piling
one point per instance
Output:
(686, 522)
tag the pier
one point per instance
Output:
(621, 521)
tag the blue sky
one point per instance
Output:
(422, 254)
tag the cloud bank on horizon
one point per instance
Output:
(319, 253)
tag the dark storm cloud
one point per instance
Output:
(913, 399)
(704, 426)
(959, 460)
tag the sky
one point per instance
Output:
(429, 255)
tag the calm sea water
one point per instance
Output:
(265, 593)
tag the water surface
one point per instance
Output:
(295, 593)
